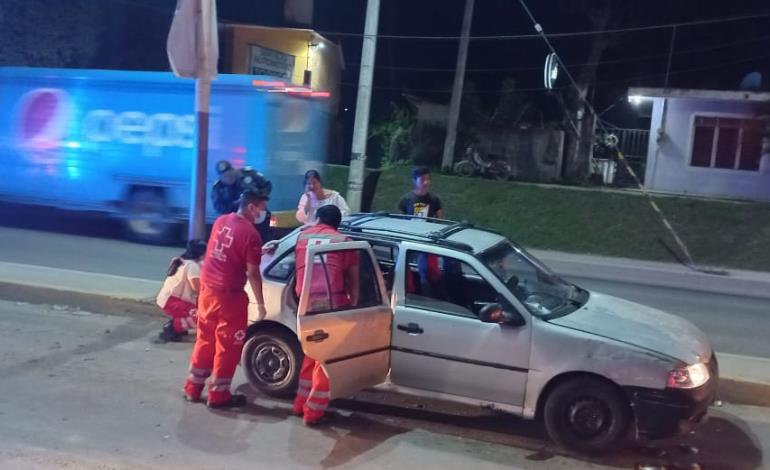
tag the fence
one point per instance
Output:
(633, 143)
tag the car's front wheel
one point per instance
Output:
(587, 415)
(271, 360)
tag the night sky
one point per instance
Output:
(707, 56)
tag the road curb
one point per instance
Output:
(743, 379)
(743, 392)
(86, 302)
(651, 273)
(81, 282)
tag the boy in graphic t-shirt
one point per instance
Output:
(421, 202)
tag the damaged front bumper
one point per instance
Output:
(661, 414)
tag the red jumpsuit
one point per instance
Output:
(184, 314)
(222, 307)
(313, 392)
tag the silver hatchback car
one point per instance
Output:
(460, 313)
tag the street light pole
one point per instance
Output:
(363, 103)
(193, 50)
(197, 226)
(457, 89)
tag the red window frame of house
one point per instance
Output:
(728, 143)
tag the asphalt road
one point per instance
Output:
(89, 391)
(81, 242)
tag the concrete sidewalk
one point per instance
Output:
(106, 285)
(743, 379)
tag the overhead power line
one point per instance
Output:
(599, 82)
(502, 37)
(649, 57)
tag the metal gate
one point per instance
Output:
(632, 142)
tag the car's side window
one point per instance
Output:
(386, 257)
(283, 269)
(342, 280)
(445, 284)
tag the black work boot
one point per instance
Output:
(236, 400)
(168, 335)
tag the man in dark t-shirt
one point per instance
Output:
(421, 202)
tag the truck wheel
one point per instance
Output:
(148, 218)
(587, 415)
(271, 360)
(465, 168)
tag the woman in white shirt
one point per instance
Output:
(316, 196)
(178, 298)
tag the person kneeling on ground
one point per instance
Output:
(178, 298)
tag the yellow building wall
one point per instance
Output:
(324, 61)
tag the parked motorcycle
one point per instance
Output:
(473, 163)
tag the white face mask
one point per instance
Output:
(260, 217)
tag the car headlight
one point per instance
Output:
(689, 377)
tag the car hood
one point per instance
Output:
(641, 326)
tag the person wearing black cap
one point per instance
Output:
(226, 193)
(227, 190)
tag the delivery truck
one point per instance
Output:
(122, 142)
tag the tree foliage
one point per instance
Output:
(393, 134)
(49, 33)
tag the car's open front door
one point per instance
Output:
(344, 318)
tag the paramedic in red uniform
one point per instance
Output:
(232, 257)
(343, 271)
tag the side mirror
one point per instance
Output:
(494, 313)
(491, 313)
(513, 319)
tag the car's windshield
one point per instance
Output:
(541, 291)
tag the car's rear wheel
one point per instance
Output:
(271, 360)
(587, 415)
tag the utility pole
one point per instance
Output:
(363, 103)
(457, 89)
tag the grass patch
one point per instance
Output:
(718, 233)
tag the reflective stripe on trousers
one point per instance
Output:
(313, 392)
(218, 384)
(198, 376)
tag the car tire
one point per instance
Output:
(148, 217)
(587, 415)
(271, 360)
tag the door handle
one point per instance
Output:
(318, 336)
(411, 328)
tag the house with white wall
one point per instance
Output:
(707, 142)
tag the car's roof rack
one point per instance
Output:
(363, 217)
(396, 236)
(355, 224)
(450, 230)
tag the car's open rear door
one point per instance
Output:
(345, 325)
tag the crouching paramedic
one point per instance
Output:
(341, 270)
(232, 258)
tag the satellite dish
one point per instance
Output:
(751, 82)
